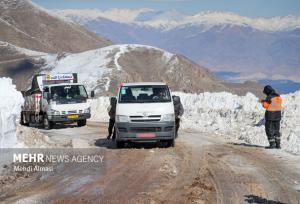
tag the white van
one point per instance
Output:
(145, 113)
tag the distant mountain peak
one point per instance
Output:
(172, 19)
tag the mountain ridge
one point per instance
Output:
(174, 19)
(217, 44)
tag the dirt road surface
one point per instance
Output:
(202, 168)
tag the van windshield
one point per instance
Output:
(144, 94)
(68, 94)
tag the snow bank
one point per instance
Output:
(241, 117)
(99, 109)
(232, 116)
(10, 108)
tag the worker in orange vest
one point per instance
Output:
(273, 107)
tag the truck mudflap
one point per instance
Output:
(69, 118)
(145, 132)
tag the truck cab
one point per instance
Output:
(54, 99)
(145, 113)
(65, 103)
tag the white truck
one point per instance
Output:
(54, 99)
(145, 113)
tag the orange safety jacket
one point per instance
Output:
(275, 105)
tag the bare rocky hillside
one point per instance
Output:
(26, 25)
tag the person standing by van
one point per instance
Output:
(112, 115)
(272, 104)
(178, 109)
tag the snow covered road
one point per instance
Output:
(202, 168)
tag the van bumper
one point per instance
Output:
(69, 118)
(145, 131)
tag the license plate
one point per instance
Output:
(146, 135)
(73, 116)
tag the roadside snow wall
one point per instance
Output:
(99, 109)
(11, 101)
(241, 117)
(232, 116)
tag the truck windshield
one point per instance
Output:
(68, 94)
(144, 94)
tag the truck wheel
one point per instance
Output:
(120, 144)
(47, 124)
(23, 120)
(81, 123)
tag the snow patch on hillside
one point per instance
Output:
(10, 109)
(20, 50)
(234, 117)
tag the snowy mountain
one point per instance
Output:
(218, 40)
(103, 70)
(27, 25)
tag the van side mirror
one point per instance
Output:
(92, 94)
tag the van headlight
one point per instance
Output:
(122, 119)
(54, 112)
(88, 110)
(168, 117)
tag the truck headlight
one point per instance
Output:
(122, 118)
(54, 112)
(88, 110)
(168, 117)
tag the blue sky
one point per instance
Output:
(252, 8)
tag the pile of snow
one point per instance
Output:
(234, 117)
(10, 109)
(99, 109)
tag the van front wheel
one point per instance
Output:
(171, 143)
(120, 144)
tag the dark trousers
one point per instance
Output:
(111, 129)
(177, 125)
(273, 130)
